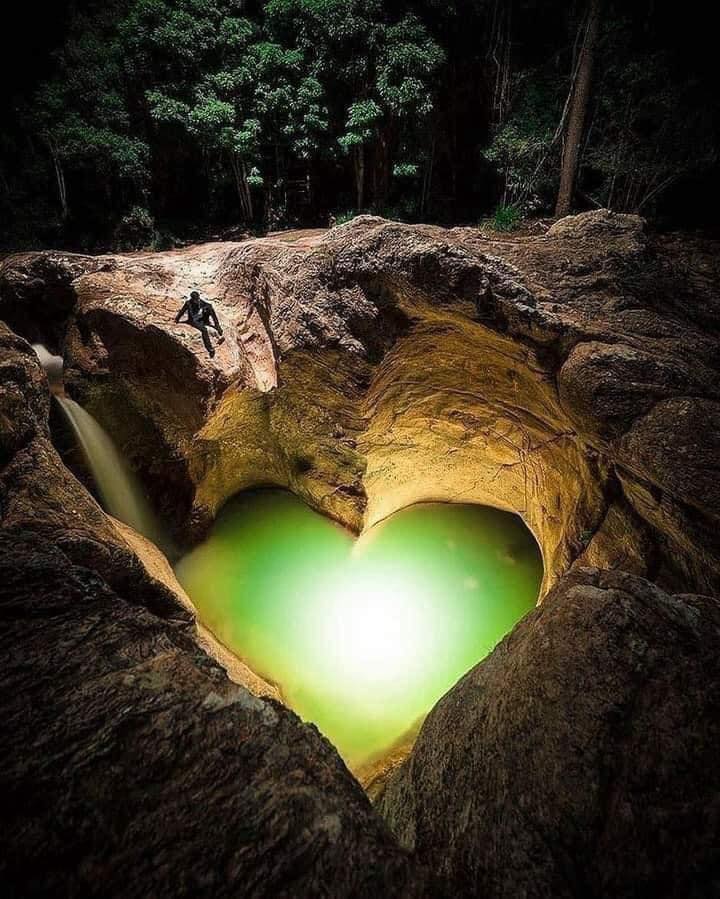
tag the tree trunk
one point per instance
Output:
(4, 182)
(427, 178)
(384, 166)
(360, 176)
(60, 179)
(578, 111)
(280, 180)
(248, 195)
(499, 51)
(242, 186)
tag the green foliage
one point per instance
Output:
(522, 149)
(406, 65)
(254, 178)
(341, 218)
(505, 218)
(406, 170)
(362, 120)
(82, 113)
(645, 131)
(381, 68)
(136, 230)
(269, 112)
(648, 131)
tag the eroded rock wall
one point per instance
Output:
(570, 377)
(131, 764)
(579, 759)
(562, 376)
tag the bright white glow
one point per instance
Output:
(377, 628)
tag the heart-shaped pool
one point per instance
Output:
(363, 636)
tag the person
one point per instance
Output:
(201, 315)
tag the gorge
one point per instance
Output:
(567, 379)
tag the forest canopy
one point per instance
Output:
(149, 121)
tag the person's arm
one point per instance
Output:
(182, 311)
(213, 316)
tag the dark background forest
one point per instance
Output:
(132, 123)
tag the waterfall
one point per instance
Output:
(120, 492)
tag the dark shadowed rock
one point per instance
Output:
(131, 766)
(37, 294)
(602, 223)
(580, 758)
(382, 364)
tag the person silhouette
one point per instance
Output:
(201, 315)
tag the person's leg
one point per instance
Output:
(206, 339)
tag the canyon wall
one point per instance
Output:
(570, 376)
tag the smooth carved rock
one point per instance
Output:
(39, 494)
(580, 758)
(383, 364)
(130, 764)
(569, 377)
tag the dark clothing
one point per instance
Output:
(206, 338)
(201, 315)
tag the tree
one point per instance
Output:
(81, 115)
(578, 101)
(647, 132)
(242, 95)
(524, 147)
(360, 129)
(207, 113)
(380, 71)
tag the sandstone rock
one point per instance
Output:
(569, 377)
(599, 223)
(131, 765)
(609, 386)
(39, 494)
(37, 294)
(158, 567)
(383, 364)
(579, 759)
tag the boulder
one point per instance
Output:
(578, 759)
(135, 760)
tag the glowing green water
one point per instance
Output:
(363, 637)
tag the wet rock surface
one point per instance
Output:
(579, 759)
(130, 764)
(570, 377)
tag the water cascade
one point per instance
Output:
(363, 636)
(119, 490)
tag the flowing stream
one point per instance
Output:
(120, 492)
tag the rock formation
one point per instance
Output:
(579, 758)
(570, 377)
(557, 376)
(131, 764)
